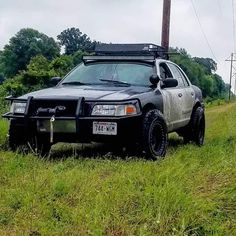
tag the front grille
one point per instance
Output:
(69, 105)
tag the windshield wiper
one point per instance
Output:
(74, 83)
(115, 82)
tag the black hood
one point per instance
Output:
(94, 92)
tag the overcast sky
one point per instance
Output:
(128, 21)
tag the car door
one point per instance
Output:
(172, 99)
(189, 95)
(186, 91)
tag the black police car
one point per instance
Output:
(125, 94)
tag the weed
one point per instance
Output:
(190, 192)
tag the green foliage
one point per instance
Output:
(74, 40)
(190, 192)
(201, 73)
(4, 107)
(209, 64)
(207, 85)
(62, 65)
(38, 74)
(78, 56)
(4, 125)
(26, 44)
(31, 58)
(2, 78)
(1, 66)
(13, 87)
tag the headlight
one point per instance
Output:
(114, 110)
(18, 107)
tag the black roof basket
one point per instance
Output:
(147, 49)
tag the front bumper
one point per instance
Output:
(77, 128)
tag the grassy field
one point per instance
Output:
(191, 192)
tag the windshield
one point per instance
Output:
(119, 73)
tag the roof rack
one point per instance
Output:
(147, 49)
(146, 58)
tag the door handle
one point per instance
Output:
(180, 95)
(192, 93)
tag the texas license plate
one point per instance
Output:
(106, 128)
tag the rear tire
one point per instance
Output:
(199, 126)
(195, 131)
(154, 136)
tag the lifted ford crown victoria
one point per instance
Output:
(125, 94)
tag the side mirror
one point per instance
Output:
(169, 83)
(154, 79)
(55, 80)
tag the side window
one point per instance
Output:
(177, 74)
(186, 83)
(165, 71)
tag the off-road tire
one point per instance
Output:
(195, 131)
(199, 126)
(154, 135)
(15, 138)
(39, 146)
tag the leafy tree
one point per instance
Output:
(36, 76)
(2, 78)
(209, 64)
(38, 73)
(78, 56)
(62, 65)
(201, 73)
(207, 86)
(74, 40)
(32, 59)
(1, 66)
(14, 86)
(27, 43)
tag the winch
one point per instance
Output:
(52, 120)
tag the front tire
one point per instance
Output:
(154, 136)
(17, 141)
(15, 138)
(39, 146)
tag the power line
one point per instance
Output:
(203, 32)
(233, 9)
(234, 83)
(231, 60)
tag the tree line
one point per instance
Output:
(201, 72)
(31, 58)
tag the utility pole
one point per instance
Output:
(234, 84)
(231, 60)
(166, 24)
(231, 71)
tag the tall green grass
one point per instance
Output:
(3, 133)
(191, 192)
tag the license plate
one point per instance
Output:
(106, 128)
